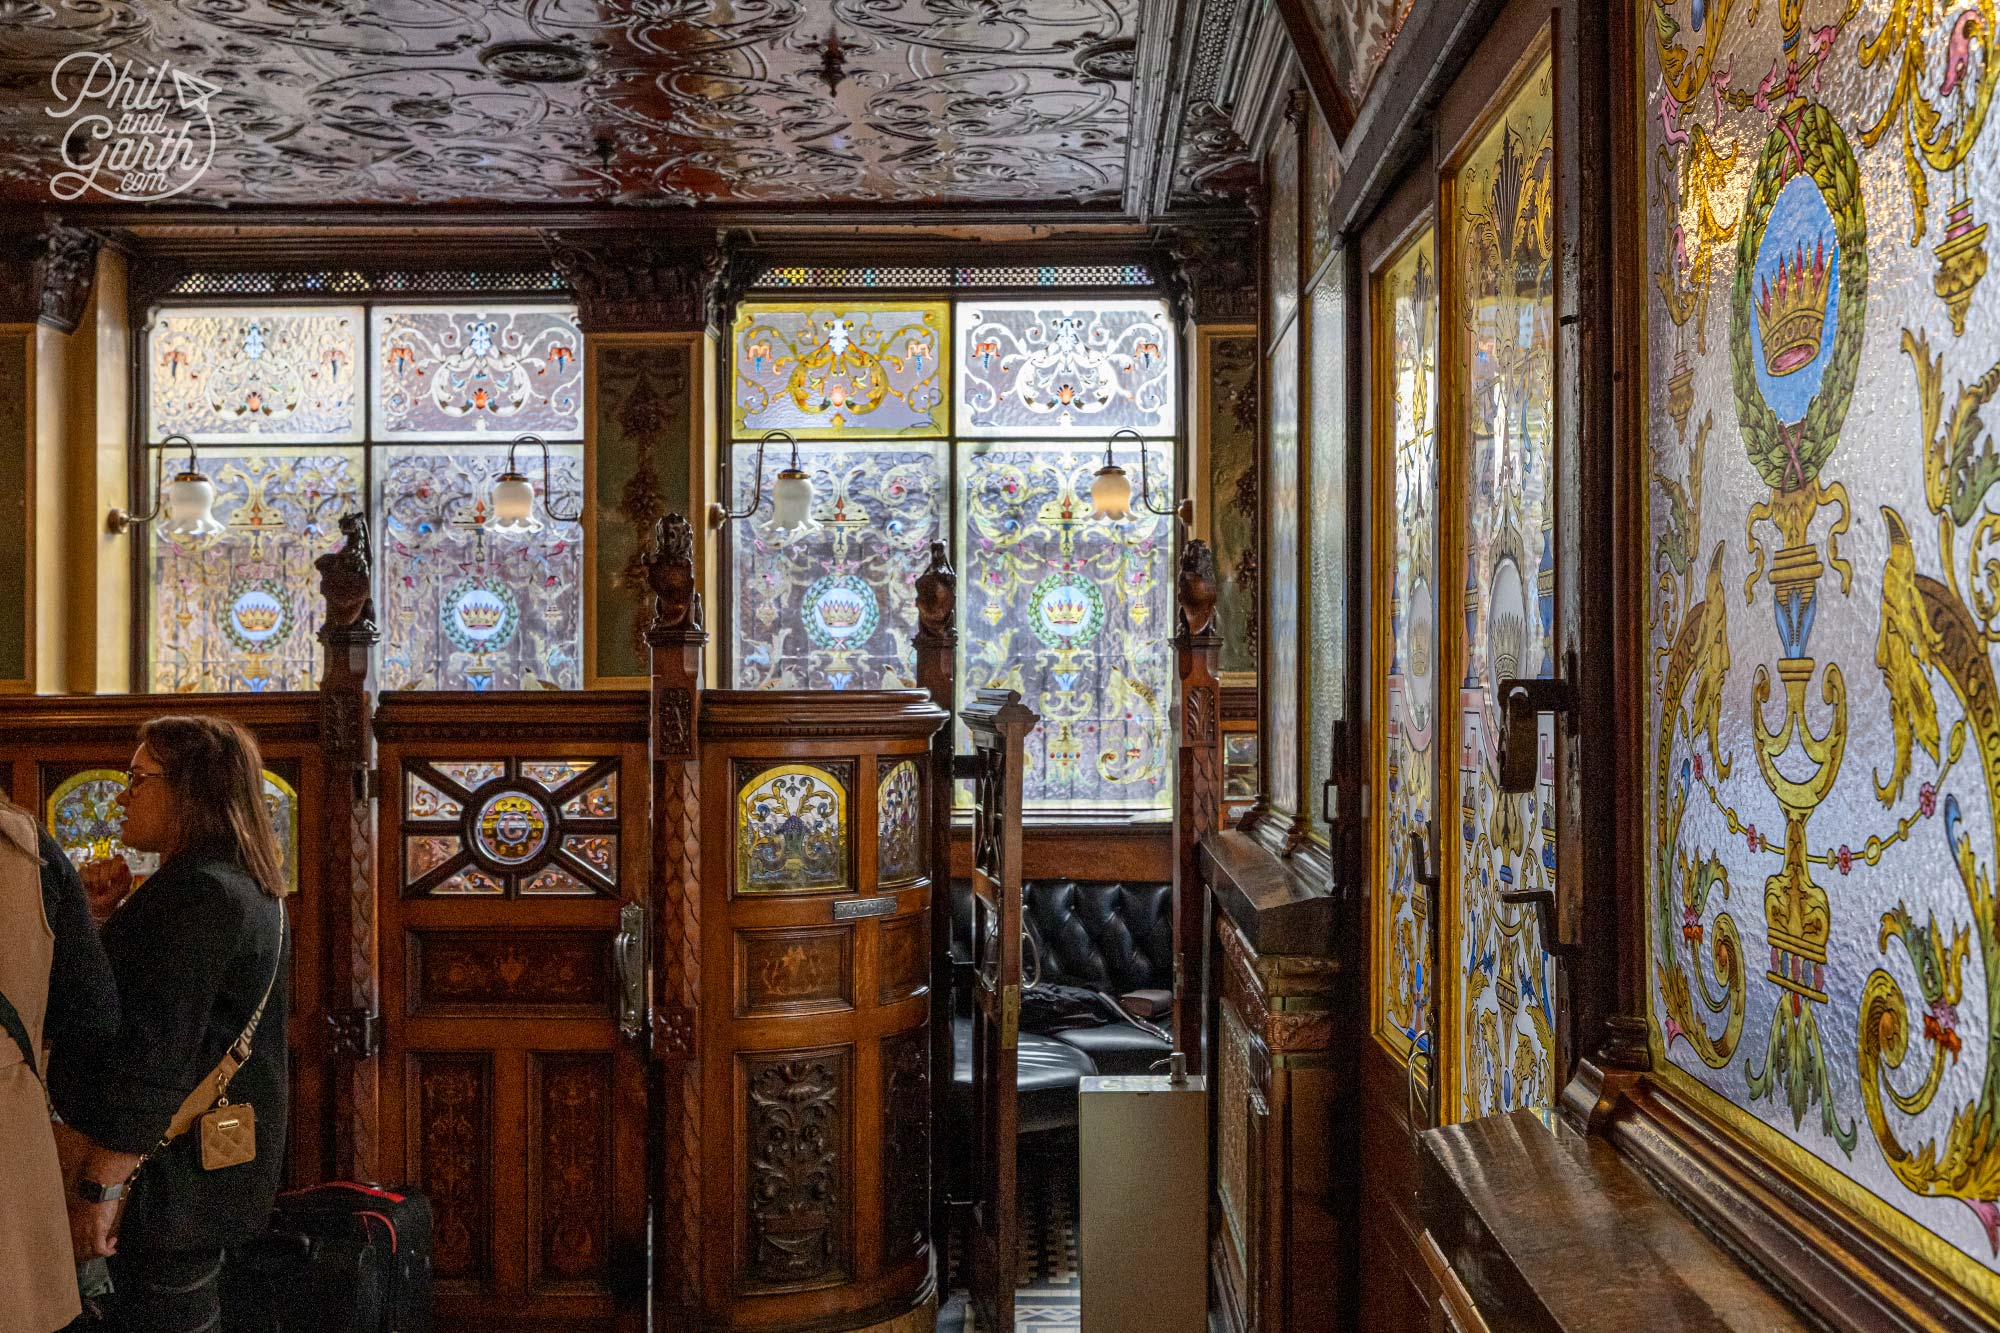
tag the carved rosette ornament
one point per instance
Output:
(641, 282)
(46, 275)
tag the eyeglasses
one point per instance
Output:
(139, 778)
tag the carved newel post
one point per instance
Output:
(1198, 782)
(937, 672)
(675, 640)
(347, 639)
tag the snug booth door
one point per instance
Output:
(511, 883)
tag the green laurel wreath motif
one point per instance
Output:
(1830, 163)
(234, 632)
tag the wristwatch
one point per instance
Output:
(91, 1191)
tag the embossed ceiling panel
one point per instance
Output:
(639, 102)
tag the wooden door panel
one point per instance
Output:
(510, 1096)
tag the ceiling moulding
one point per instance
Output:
(652, 281)
(1266, 76)
(1213, 165)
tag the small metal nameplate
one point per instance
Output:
(853, 909)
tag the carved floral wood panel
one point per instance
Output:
(572, 1161)
(1824, 756)
(458, 970)
(795, 1133)
(452, 1134)
(642, 435)
(906, 1143)
(1405, 407)
(1503, 249)
(441, 101)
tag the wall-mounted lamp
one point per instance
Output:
(514, 496)
(791, 493)
(1111, 491)
(188, 502)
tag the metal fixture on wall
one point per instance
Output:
(1111, 490)
(791, 493)
(514, 495)
(189, 502)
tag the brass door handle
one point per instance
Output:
(629, 954)
(1522, 703)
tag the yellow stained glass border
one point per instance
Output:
(934, 315)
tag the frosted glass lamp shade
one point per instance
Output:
(514, 505)
(1111, 494)
(791, 500)
(190, 507)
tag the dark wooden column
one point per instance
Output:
(1198, 780)
(937, 672)
(347, 873)
(675, 640)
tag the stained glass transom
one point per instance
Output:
(842, 369)
(899, 820)
(510, 826)
(472, 373)
(465, 607)
(226, 375)
(791, 828)
(1049, 368)
(1504, 245)
(1406, 393)
(835, 607)
(1822, 759)
(1074, 613)
(240, 611)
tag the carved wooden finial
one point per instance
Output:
(670, 574)
(1196, 587)
(937, 596)
(344, 579)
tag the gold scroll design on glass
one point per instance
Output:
(1932, 141)
(839, 366)
(791, 831)
(1929, 630)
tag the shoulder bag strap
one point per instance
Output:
(211, 1089)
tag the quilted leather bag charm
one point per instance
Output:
(228, 1136)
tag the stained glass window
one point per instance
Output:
(1073, 613)
(227, 374)
(534, 827)
(1280, 575)
(476, 373)
(1326, 536)
(835, 607)
(239, 611)
(858, 368)
(464, 607)
(420, 421)
(791, 828)
(84, 819)
(1065, 368)
(899, 822)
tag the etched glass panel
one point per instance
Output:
(1239, 766)
(1075, 614)
(236, 374)
(599, 851)
(239, 611)
(554, 880)
(597, 801)
(471, 775)
(1066, 368)
(553, 773)
(1281, 577)
(791, 828)
(833, 368)
(1326, 546)
(471, 880)
(464, 607)
(474, 373)
(899, 819)
(1405, 413)
(427, 802)
(1229, 389)
(426, 853)
(1504, 247)
(1281, 226)
(511, 828)
(1822, 756)
(835, 607)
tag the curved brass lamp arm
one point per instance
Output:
(548, 490)
(719, 513)
(119, 520)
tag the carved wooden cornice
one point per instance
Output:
(651, 281)
(1210, 271)
(46, 274)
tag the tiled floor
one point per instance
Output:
(1046, 1299)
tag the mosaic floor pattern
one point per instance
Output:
(1046, 1298)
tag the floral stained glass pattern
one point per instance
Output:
(835, 607)
(899, 820)
(510, 826)
(1504, 246)
(1822, 757)
(472, 373)
(1074, 613)
(1326, 534)
(1406, 394)
(228, 375)
(860, 368)
(84, 819)
(791, 828)
(239, 611)
(464, 607)
(1281, 577)
(1050, 368)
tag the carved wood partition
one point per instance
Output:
(999, 722)
(512, 878)
(1198, 786)
(64, 758)
(937, 672)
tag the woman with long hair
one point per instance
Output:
(185, 1110)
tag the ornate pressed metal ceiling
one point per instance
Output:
(630, 102)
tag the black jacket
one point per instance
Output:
(192, 949)
(83, 1000)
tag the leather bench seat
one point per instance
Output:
(1049, 1071)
